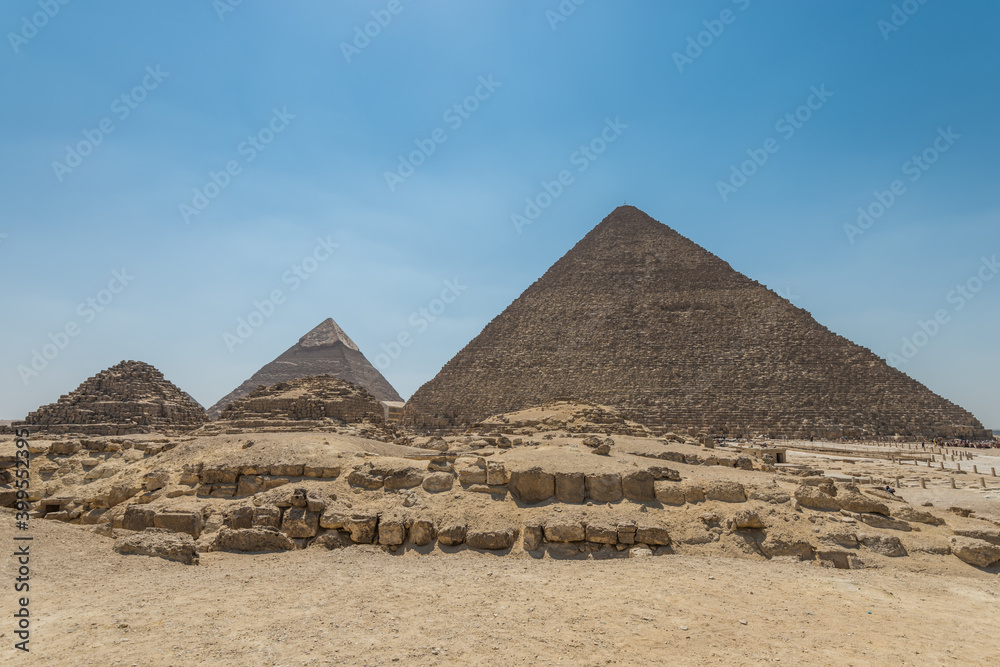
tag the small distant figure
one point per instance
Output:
(889, 489)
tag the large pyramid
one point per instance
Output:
(638, 317)
(129, 397)
(326, 350)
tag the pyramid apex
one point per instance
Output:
(327, 333)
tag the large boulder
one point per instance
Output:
(532, 486)
(471, 471)
(300, 522)
(422, 532)
(886, 545)
(637, 486)
(495, 539)
(366, 476)
(403, 478)
(438, 482)
(991, 535)
(605, 487)
(496, 473)
(652, 535)
(852, 500)
(773, 494)
(564, 530)
(668, 493)
(251, 540)
(180, 522)
(908, 513)
(747, 520)
(138, 518)
(178, 547)
(571, 487)
(361, 527)
(817, 497)
(727, 492)
(451, 533)
(266, 517)
(391, 531)
(601, 533)
(780, 545)
(975, 552)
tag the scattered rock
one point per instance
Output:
(975, 552)
(160, 543)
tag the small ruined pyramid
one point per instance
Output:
(310, 398)
(638, 317)
(129, 397)
(326, 350)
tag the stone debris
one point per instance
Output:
(160, 543)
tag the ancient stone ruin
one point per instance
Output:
(326, 350)
(130, 397)
(640, 318)
(312, 398)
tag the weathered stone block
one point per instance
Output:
(604, 487)
(300, 522)
(571, 487)
(495, 539)
(602, 533)
(532, 486)
(180, 522)
(422, 532)
(561, 530)
(637, 486)
(452, 533)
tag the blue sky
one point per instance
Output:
(275, 124)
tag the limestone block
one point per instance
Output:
(571, 487)
(532, 486)
(604, 487)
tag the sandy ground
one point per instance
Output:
(362, 606)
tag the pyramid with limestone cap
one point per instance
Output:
(325, 350)
(638, 317)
